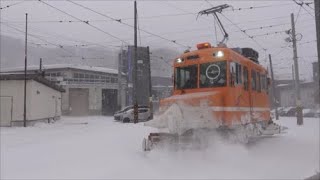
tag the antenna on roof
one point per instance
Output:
(214, 11)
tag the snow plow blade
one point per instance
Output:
(189, 139)
(273, 129)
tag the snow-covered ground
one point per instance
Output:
(104, 149)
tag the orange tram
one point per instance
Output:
(239, 84)
(228, 84)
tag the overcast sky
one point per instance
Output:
(172, 20)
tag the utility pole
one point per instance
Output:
(317, 17)
(293, 81)
(297, 84)
(150, 84)
(25, 76)
(120, 78)
(40, 66)
(275, 102)
(134, 87)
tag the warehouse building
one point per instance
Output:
(43, 100)
(88, 90)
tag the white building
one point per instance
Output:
(89, 90)
(307, 94)
(43, 100)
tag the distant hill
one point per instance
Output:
(12, 55)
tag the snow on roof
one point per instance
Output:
(63, 66)
(280, 85)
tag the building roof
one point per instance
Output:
(62, 66)
(34, 77)
(302, 85)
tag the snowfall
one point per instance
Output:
(100, 148)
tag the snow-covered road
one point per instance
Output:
(105, 149)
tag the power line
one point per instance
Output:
(267, 34)
(298, 15)
(244, 32)
(13, 4)
(65, 38)
(264, 27)
(265, 19)
(241, 29)
(86, 22)
(103, 20)
(174, 0)
(257, 7)
(121, 22)
(37, 37)
(301, 3)
(308, 4)
(307, 42)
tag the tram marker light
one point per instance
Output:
(203, 45)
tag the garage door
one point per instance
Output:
(79, 101)
(5, 111)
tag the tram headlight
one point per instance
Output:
(179, 60)
(219, 54)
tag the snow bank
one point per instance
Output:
(104, 149)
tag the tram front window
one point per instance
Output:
(186, 77)
(213, 74)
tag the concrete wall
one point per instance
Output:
(95, 100)
(15, 89)
(42, 102)
(46, 102)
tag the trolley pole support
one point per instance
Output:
(25, 75)
(274, 99)
(296, 70)
(317, 18)
(134, 87)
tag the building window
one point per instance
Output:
(258, 82)
(253, 80)
(238, 74)
(245, 78)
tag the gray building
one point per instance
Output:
(88, 90)
(143, 85)
(43, 100)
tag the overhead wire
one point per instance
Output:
(252, 38)
(308, 4)
(244, 32)
(37, 37)
(13, 4)
(298, 15)
(129, 25)
(86, 22)
(53, 44)
(66, 38)
(267, 34)
(301, 3)
(265, 27)
(258, 7)
(186, 0)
